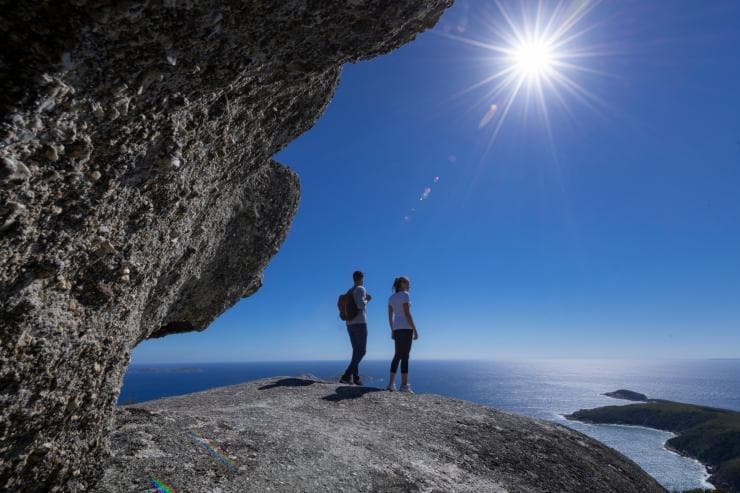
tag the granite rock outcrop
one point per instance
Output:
(302, 434)
(138, 197)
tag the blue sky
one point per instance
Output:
(614, 231)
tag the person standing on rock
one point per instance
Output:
(403, 331)
(357, 329)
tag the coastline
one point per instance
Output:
(706, 474)
(704, 434)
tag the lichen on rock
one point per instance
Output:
(138, 196)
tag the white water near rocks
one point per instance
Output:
(544, 389)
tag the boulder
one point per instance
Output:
(301, 434)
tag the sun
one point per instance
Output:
(534, 59)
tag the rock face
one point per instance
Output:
(137, 193)
(298, 434)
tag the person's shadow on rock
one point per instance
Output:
(288, 382)
(347, 392)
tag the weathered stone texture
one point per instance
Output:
(137, 192)
(352, 438)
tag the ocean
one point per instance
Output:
(544, 389)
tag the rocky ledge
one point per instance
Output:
(301, 434)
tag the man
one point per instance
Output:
(357, 329)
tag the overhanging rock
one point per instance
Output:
(137, 192)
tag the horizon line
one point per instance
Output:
(488, 360)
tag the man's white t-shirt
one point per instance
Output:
(396, 301)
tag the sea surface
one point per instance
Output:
(544, 389)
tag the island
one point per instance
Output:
(627, 395)
(707, 434)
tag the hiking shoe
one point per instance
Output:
(406, 388)
(357, 381)
(345, 380)
(391, 387)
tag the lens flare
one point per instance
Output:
(160, 486)
(213, 450)
(488, 116)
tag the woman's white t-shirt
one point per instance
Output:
(396, 301)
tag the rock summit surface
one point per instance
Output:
(301, 434)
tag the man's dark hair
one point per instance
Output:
(357, 276)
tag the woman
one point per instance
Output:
(403, 331)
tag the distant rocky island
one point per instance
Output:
(707, 434)
(627, 395)
(304, 434)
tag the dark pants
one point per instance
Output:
(403, 340)
(358, 338)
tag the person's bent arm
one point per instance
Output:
(410, 319)
(361, 297)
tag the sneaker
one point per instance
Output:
(406, 388)
(391, 387)
(357, 381)
(345, 380)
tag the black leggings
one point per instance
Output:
(403, 338)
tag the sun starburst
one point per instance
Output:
(534, 58)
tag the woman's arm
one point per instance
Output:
(390, 318)
(410, 319)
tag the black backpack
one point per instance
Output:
(347, 306)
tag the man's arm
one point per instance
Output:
(360, 296)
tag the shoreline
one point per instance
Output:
(698, 431)
(705, 467)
